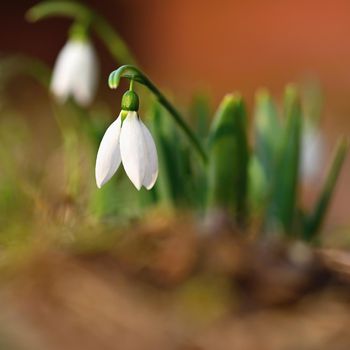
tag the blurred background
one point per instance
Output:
(72, 280)
(212, 46)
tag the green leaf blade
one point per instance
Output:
(284, 192)
(314, 221)
(228, 158)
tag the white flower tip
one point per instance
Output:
(151, 173)
(136, 182)
(99, 183)
(108, 155)
(60, 98)
(102, 175)
(153, 182)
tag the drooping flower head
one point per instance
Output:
(75, 73)
(128, 141)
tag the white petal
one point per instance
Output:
(75, 72)
(86, 77)
(151, 173)
(132, 149)
(108, 155)
(63, 72)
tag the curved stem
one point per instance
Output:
(118, 49)
(132, 73)
(18, 64)
(84, 14)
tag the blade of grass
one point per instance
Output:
(166, 182)
(228, 158)
(262, 165)
(200, 113)
(281, 210)
(314, 221)
(267, 132)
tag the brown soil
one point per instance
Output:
(168, 289)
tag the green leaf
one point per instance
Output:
(258, 185)
(314, 221)
(165, 183)
(173, 186)
(284, 190)
(262, 165)
(228, 158)
(267, 132)
(200, 113)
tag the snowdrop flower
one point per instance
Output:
(76, 71)
(312, 151)
(128, 141)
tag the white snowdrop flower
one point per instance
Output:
(75, 72)
(128, 141)
(312, 152)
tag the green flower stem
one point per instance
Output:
(82, 13)
(132, 73)
(17, 65)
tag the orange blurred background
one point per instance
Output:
(219, 46)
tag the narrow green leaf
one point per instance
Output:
(262, 165)
(258, 185)
(267, 132)
(200, 113)
(281, 211)
(167, 179)
(314, 221)
(228, 158)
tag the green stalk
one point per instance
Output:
(132, 73)
(83, 14)
(314, 222)
(18, 64)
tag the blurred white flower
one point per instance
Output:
(76, 72)
(312, 153)
(130, 142)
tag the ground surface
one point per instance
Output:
(168, 289)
